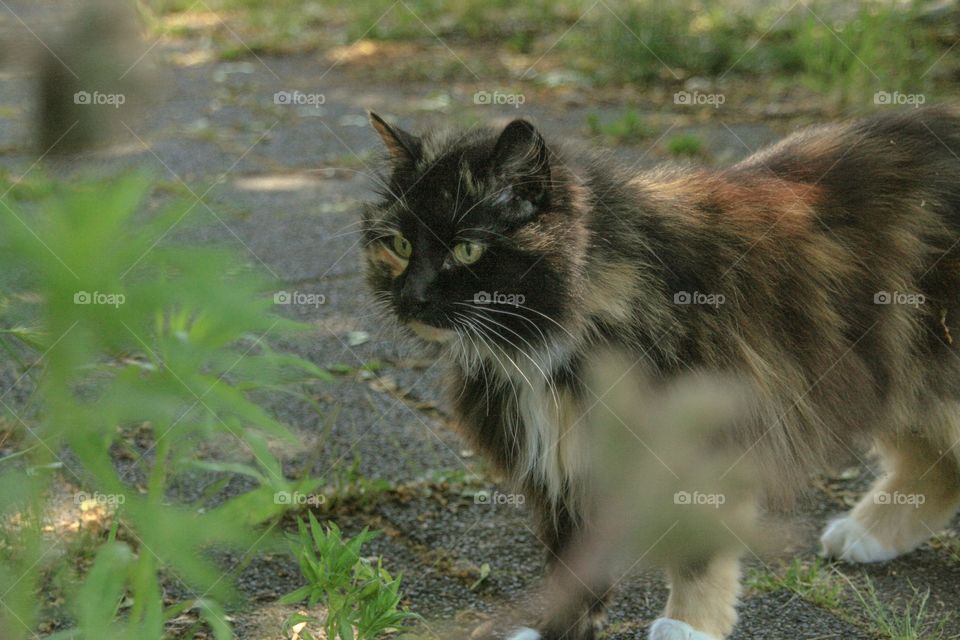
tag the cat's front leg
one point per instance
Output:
(576, 595)
(579, 617)
(703, 601)
(581, 621)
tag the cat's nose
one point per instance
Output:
(415, 298)
(416, 295)
(415, 301)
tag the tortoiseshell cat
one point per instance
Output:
(830, 265)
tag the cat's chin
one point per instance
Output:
(427, 332)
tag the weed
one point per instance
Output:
(881, 47)
(171, 338)
(813, 581)
(649, 40)
(362, 599)
(627, 129)
(913, 622)
(685, 144)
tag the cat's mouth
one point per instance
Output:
(429, 332)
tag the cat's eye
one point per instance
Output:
(402, 247)
(467, 252)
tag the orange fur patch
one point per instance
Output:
(764, 202)
(379, 253)
(754, 207)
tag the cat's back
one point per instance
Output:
(872, 165)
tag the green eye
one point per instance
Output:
(467, 252)
(402, 246)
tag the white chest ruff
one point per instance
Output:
(554, 451)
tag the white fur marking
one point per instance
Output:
(848, 540)
(524, 633)
(669, 629)
(555, 453)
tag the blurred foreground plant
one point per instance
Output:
(134, 334)
(669, 484)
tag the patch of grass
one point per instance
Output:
(813, 581)
(344, 369)
(291, 25)
(458, 477)
(913, 622)
(880, 47)
(653, 39)
(362, 599)
(516, 22)
(627, 129)
(26, 188)
(685, 145)
(281, 26)
(349, 483)
(847, 52)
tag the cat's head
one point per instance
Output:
(476, 232)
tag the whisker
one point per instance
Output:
(480, 335)
(546, 379)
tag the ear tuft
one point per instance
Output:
(400, 144)
(520, 155)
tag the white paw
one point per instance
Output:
(669, 629)
(848, 540)
(524, 633)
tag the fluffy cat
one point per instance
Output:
(824, 269)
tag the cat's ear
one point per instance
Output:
(400, 144)
(520, 156)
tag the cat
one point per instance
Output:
(825, 269)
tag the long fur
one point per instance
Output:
(824, 269)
